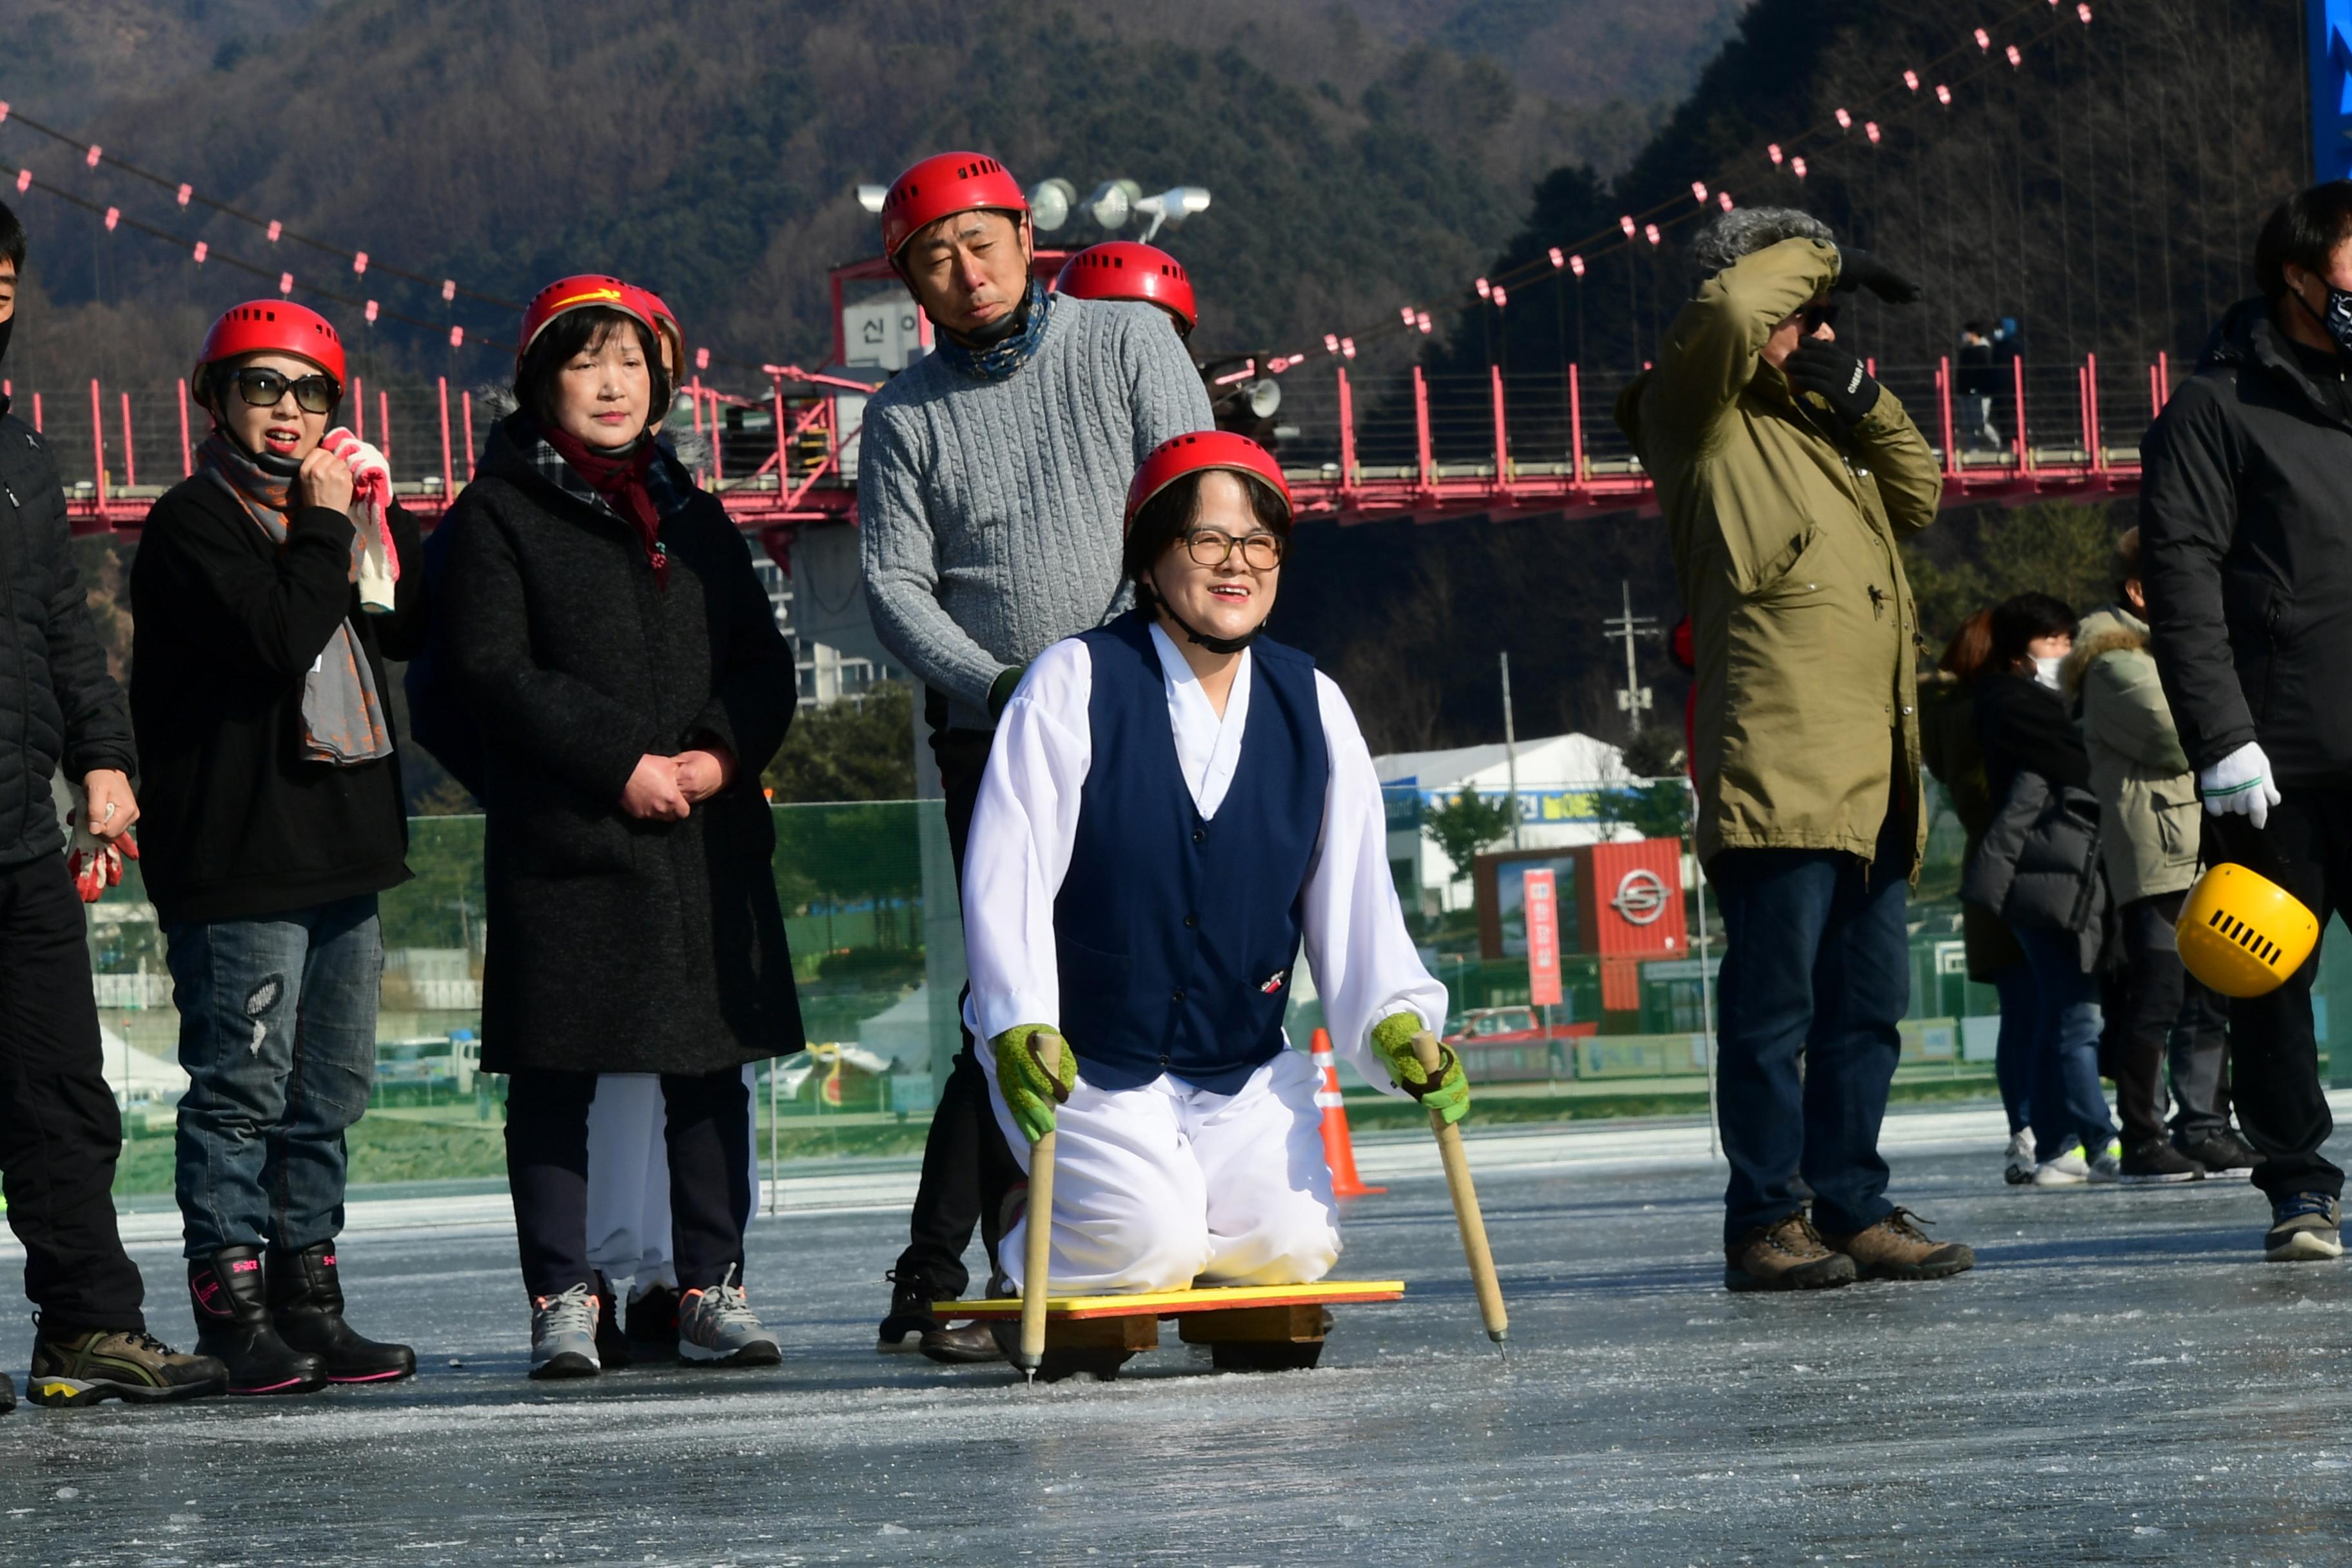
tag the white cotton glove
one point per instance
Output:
(371, 497)
(2240, 783)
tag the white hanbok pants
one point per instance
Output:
(628, 1180)
(1157, 1186)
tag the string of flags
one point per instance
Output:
(1918, 87)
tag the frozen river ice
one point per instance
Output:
(2122, 1380)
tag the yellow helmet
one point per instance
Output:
(2243, 934)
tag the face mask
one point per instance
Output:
(2045, 672)
(2337, 320)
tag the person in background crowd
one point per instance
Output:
(1948, 745)
(2151, 832)
(59, 1131)
(1786, 474)
(607, 630)
(2037, 867)
(1975, 382)
(991, 479)
(1174, 804)
(274, 819)
(2242, 516)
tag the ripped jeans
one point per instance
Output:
(277, 1035)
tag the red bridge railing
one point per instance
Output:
(1356, 447)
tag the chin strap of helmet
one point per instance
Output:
(1214, 645)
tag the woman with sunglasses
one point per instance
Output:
(1173, 804)
(273, 819)
(606, 634)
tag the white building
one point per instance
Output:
(1560, 777)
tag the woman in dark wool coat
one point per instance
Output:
(606, 630)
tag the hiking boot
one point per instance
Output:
(1788, 1255)
(2305, 1228)
(8, 1395)
(305, 1304)
(653, 1318)
(2222, 1153)
(2068, 1170)
(717, 1326)
(2017, 1167)
(612, 1343)
(83, 1366)
(234, 1325)
(911, 1316)
(564, 1334)
(1897, 1248)
(2157, 1162)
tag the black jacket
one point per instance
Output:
(2246, 550)
(58, 704)
(234, 824)
(617, 945)
(2023, 726)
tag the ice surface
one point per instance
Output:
(2121, 1380)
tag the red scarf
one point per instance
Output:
(620, 478)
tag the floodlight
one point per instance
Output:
(1113, 203)
(1173, 204)
(1049, 203)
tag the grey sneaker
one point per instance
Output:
(718, 1325)
(2017, 1167)
(2107, 1165)
(564, 1334)
(2305, 1228)
(2071, 1169)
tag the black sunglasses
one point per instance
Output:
(1816, 317)
(262, 388)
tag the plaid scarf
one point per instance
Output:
(343, 722)
(669, 485)
(999, 360)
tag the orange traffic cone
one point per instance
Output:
(1339, 1149)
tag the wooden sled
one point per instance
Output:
(1247, 1328)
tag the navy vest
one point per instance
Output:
(1176, 935)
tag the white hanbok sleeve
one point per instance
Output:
(1022, 833)
(1364, 960)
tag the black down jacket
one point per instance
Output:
(617, 945)
(2246, 549)
(58, 704)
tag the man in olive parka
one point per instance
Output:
(1787, 475)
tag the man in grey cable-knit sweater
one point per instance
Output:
(991, 483)
(990, 509)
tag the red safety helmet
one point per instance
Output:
(941, 183)
(587, 290)
(1180, 454)
(273, 326)
(1129, 269)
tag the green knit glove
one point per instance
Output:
(1030, 1092)
(1392, 1043)
(1000, 690)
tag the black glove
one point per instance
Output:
(1861, 269)
(1836, 374)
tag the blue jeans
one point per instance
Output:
(1817, 967)
(278, 1035)
(2013, 1051)
(2068, 1104)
